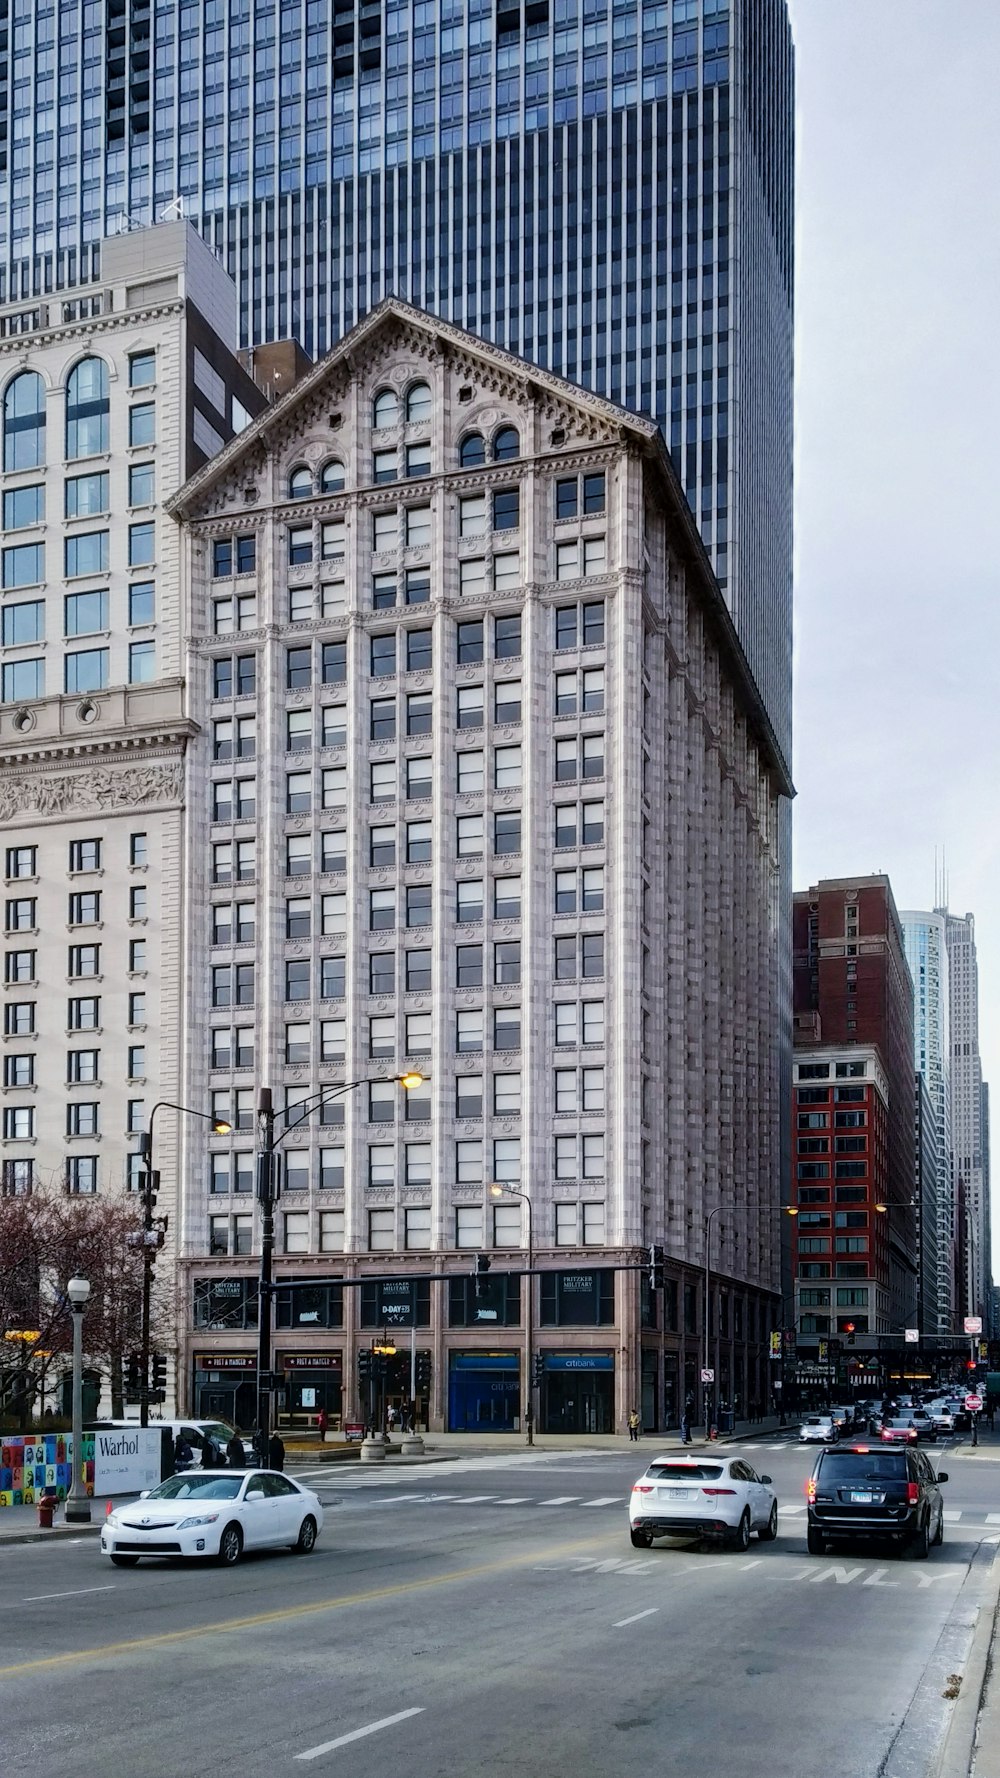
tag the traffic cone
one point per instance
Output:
(108, 1506)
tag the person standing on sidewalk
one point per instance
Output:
(686, 1422)
(633, 1426)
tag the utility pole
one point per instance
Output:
(265, 1198)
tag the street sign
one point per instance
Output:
(708, 1376)
(973, 1324)
(912, 1336)
(973, 1403)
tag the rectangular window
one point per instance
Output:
(469, 1030)
(469, 641)
(23, 564)
(383, 655)
(417, 586)
(383, 592)
(468, 1226)
(472, 515)
(87, 552)
(469, 1095)
(141, 544)
(507, 637)
(418, 460)
(507, 768)
(141, 662)
(141, 602)
(87, 496)
(24, 506)
(472, 581)
(300, 545)
(471, 772)
(418, 526)
(418, 776)
(419, 652)
(418, 971)
(141, 484)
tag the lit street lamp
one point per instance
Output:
(499, 1190)
(77, 1500)
(267, 1145)
(154, 1229)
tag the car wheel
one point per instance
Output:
(641, 1540)
(815, 1544)
(125, 1561)
(939, 1533)
(306, 1540)
(230, 1546)
(769, 1532)
(920, 1544)
(741, 1536)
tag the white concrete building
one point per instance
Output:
(480, 786)
(926, 944)
(970, 1161)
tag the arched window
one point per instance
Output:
(24, 422)
(87, 409)
(385, 409)
(300, 484)
(418, 401)
(506, 445)
(472, 450)
(331, 477)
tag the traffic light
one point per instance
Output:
(483, 1263)
(656, 1259)
(152, 1186)
(423, 1377)
(849, 1331)
(537, 1369)
(133, 1374)
(970, 1364)
(364, 1366)
(159, 1370)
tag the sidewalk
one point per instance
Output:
(19, 1524)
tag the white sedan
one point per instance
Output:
(718, 1497)
(217, 1513)
(818, 1429)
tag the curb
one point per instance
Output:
(57, 1534)
(962, 1737)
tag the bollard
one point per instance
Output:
(373, 1448)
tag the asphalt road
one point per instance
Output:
(490, 1615)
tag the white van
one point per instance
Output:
(197, 1433)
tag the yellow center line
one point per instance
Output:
(289, 1612)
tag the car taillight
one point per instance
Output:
(642, 1488)
(912, 1493)
(712, 1492)
(811, 1490)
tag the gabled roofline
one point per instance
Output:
(643, 431)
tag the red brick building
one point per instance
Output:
(854, 1264)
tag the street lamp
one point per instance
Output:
(267, 1145)
(77, 1501)
(498, 1190)
(153, 1230)
(706, 1386)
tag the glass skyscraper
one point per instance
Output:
(605, 189)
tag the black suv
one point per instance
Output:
(872, 1491)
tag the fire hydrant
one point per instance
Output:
(46, 1507)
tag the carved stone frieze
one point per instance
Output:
(102, 787)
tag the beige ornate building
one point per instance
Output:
(108, 400)
(479, 786)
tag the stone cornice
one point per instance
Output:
(26, 345)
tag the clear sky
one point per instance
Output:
(897, 505)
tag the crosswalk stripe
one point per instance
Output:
(952, 1515)
(515, 1500)
(560, 1500)
(398, 1499)
(993, 1518)
(790, 1511)
(474, 1499)
(604, 1500)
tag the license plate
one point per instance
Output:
(862, 1499)
(677, 1493)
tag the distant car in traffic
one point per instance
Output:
(899, 1430)
(924, 1423)
(818, 1429)
(214, 1514)
(865, 1491)
(713, 1497)
(843, 1417)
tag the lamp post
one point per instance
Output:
(267, 1146)
(708, 1388)
(499, 1190)
(154, 1229)
(77, 1501)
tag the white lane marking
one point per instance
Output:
(622, 1622)
(754, 1564)
(993, 1518)
(474, 1499)
(398, 1499)
(515, 1500)
(604, 1500)
(790, 1511)
(560, 1500)
(953, 1514)
(371, 1728)
(36, 1598)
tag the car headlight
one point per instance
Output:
(113, 1520)
(199, 1519)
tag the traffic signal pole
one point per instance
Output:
(265, 1199)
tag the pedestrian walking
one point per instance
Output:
(321, 1424)
(275, 1453)
(633, 1426)
(235, 1453)
(686, 1421)
(390, 1418)
(183, 1454)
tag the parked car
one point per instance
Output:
(867, 1491)
(712, 1497)
(198, 1433)
(818, 1429)
(216, 1513)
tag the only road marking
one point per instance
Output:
(371, 1728)
(622, 1622)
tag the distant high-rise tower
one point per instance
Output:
(606, 190)
(969, 1165)
(927, 956)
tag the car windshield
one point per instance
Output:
(870, 1466)
(899, 1425)
(817, 1420)
(684, 1472)
(219, 1431)
(198, 1486)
